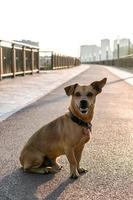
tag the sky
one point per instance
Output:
(63, 25)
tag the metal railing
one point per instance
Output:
(51, 60)
(18, 58)
(123, 62)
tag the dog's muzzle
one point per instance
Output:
(83, 106)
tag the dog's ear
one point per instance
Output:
(70, 89)
(98, 85)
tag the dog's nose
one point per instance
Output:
(83, 104)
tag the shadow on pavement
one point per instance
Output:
(21, 186)
(119, 80)
(56, 193)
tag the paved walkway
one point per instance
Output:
(21, 91)
(126, 76)
(108, 156)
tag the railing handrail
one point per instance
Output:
(20, 43)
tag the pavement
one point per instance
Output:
(21, 91)
(126, 76)
(108, 156)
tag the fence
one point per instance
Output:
(125, 62)
(18, 58)
(45, 60)
(50, 60)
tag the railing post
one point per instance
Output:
(107, 56)
(118, 53)
(24, 59)
(55, 61)
(38, 60)
(1, 61)
(32, 60)
(14, 60)
(52, 60)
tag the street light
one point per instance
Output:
(129, 44)
(107, 53)
(100, 55)
(118, 51)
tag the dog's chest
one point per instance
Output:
(82, 137)
(86, 132)
(85, 135)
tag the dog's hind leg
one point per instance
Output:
(32, 162)
(37, 163)
(41, 170)
(48, 167)
(48, 162)
(55, 165)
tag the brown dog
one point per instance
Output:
(65, 135)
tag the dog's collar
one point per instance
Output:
(80, 121)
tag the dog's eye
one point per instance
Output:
(77, 94)
(90, 94)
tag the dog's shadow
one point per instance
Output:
(56, 193)
(19, 185)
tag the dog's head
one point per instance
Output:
(83, 97)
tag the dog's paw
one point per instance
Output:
(59, 167)
(74, 176)
(82, 170)
(47, 170)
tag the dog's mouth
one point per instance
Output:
(83, 106)
(83, 110)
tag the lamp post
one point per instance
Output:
(129, 44)
(118, 51)
(107, 53)
(99, 56)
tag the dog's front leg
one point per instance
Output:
(73, 163)
(78, 154)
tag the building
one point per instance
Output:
(131, 48)
(105, 49)
(124, 47)
(89, 53)
(28, 42)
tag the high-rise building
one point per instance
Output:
(115, 49)
(131, 48)
(105, 49)
(124, 47)
(89, 53)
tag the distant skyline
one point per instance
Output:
(122, 47)
(64, 25)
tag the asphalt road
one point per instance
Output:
(108, 156)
